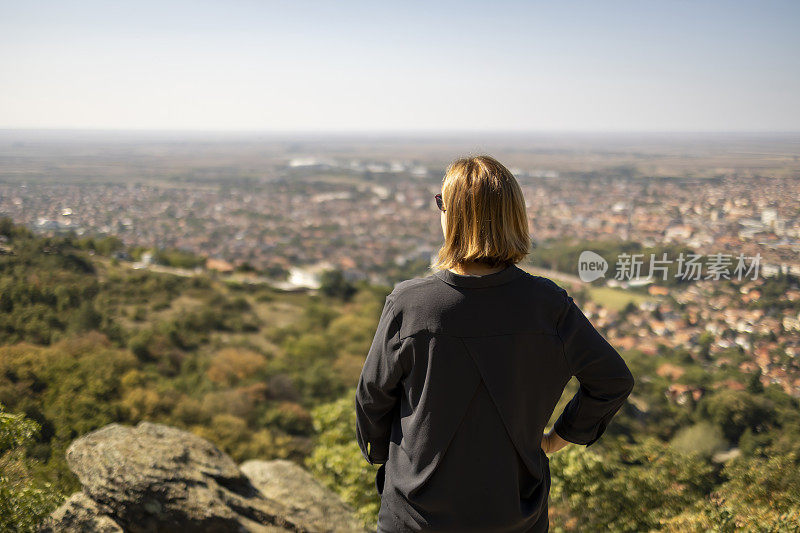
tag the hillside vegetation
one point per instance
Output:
(86, 341)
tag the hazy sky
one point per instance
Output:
(259, 65)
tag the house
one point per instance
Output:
(220, 265)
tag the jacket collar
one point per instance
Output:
(488, 280)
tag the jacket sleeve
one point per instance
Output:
(378, 391)
(605, 380)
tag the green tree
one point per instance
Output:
(754, 384)
(337, 460)
(759, 494)
(23, 504)
(627, 488)
(334, 284)
(734, 411)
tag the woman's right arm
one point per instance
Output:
(378, 393)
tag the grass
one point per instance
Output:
(616, 299)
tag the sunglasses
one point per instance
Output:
(439, 202)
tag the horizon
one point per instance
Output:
(455, 132)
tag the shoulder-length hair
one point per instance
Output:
(485, 216)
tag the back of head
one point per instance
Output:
(485, 217)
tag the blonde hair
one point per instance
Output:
(485, 216)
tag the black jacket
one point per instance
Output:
(460, 381)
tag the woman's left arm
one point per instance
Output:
(552, 442)
(378, 391)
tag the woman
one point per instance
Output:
(466, 368)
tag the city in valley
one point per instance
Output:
(288, 208)
(284, 209)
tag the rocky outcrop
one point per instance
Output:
(81, 513)
(307, 499)
(155, 478)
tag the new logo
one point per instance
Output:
(591, 266)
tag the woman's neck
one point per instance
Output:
(473, 268)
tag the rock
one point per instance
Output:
(80, 513)
(154, 478)
(307, 498)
